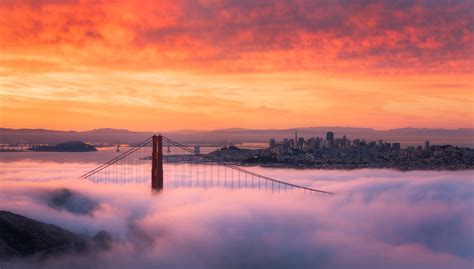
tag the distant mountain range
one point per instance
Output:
(463, 136)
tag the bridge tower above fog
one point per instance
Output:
(157, 162)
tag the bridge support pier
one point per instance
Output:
(157, 163)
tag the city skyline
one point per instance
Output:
(78, 65)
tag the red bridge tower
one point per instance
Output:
(157, 163)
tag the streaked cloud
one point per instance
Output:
(245, 35)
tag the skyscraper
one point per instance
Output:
(272, 143)
(330, 138)
(301, 143)
(427, 145)
(296, 138)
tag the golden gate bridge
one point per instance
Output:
(183, 166)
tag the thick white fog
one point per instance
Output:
(377, 219)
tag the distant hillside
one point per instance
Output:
(237, 135)
(52, 137)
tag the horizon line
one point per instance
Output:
(238, 128)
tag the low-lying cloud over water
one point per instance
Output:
(378, 219)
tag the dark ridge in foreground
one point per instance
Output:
(23, 237)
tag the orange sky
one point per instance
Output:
(164, 65)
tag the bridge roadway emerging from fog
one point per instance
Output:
(183, 167)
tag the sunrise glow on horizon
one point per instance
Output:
(168, 65)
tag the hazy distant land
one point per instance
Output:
(461, 137)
